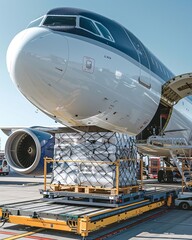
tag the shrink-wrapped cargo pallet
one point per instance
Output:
(93, 159)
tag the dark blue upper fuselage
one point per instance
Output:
(123, 40)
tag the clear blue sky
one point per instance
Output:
(165, 27)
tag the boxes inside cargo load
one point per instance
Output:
(100, 159)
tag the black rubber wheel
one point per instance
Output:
(184, 206)
(161, 176)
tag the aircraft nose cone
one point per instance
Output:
(13, 51)
(37, 56)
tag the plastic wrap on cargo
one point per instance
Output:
(90, 159)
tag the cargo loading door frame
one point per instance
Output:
(176, 89)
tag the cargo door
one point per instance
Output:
(176, 88)
(172, 91)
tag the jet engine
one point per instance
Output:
(25, 150)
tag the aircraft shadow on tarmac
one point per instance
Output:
(17, 179)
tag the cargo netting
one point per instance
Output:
(102, 159)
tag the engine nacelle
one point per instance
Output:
(25, 150)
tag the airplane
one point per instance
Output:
(83, 69)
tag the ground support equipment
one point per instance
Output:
(77, 218)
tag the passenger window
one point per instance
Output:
(88, 25)
(60, 21)
(104, 31)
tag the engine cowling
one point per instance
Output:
(25, 150)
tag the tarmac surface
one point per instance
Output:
(173, 224)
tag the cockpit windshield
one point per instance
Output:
(64, 22)
(95, 28)
(88, 25)
(104, 31)
(60, 21)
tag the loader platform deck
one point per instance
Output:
(78, 218)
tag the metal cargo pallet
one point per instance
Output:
(91, 199)
(74, 218)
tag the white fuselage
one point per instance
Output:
(80, 81)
